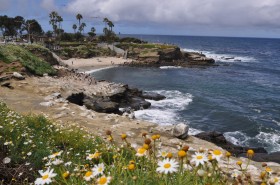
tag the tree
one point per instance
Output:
(79, 17)
(54, 20)
(49, 34)
(82, 27)
(19, 22)
(33, 28)
(59, 20)
(111, 25)
(74, 27)
(7, 26)
(92, 32)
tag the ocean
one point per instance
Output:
(240, 97)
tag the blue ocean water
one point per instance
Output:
(240, 97)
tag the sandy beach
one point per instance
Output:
(95, 63)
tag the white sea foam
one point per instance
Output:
(277, 122)
(166, 111)
(271, 141)
(170, 67)
(223, 57)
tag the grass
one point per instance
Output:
(31, 143)
(34, 64)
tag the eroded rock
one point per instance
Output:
(180, 131)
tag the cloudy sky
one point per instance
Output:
(245, 18)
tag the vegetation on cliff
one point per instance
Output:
(34, 64)
(76, 50)
(35, 150)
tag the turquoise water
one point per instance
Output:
(240, 97)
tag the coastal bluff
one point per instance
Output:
(156, 55)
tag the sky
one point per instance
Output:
(234, 18)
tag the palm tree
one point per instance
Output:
(59, 20)
(105, 31)
(82, 27)
(106, 20)
(93, 29)
(111, 25)
(74, 27)
(53, 20)
(79, 17)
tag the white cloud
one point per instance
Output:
(181, 12)
(48, 5)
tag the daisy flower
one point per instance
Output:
(167, 166)
(93, 156)
(199, 158)
(54, 155)
(57, 162)
(216, 154)
(88, 176)
(235, 173)
(6, 160)
(162, 154)
(46, 177)
(103, 180)
(141, 152)
(98, 169)
(275, 181)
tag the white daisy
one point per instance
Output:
(88, 176)
(199, 158)
(57, 162)
(167, 166)
(103, 180)
(68, 163)
(275, 180)
(54, 155)
(46, 177)
(98, 169)
(141, 152)
(162, 154)
(93, 156)
(235, 173)
(6, 160)
(217, 154)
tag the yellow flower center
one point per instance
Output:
(146, 146)
(169, 155)
(199, 157)
(55, 154)
(89, 173)
(131, 167)
(182, 153)
(217, 152)
(45, 177)
(141, 150)
(267, 169)
(65, 175)
(276, 180)
(163, 154)
(99, 169)
(167, 165)
(102, 180)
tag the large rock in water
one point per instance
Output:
(180, 131)
(137, 103)
(219, 139)
(152, 96)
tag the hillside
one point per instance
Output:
(21, 58)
